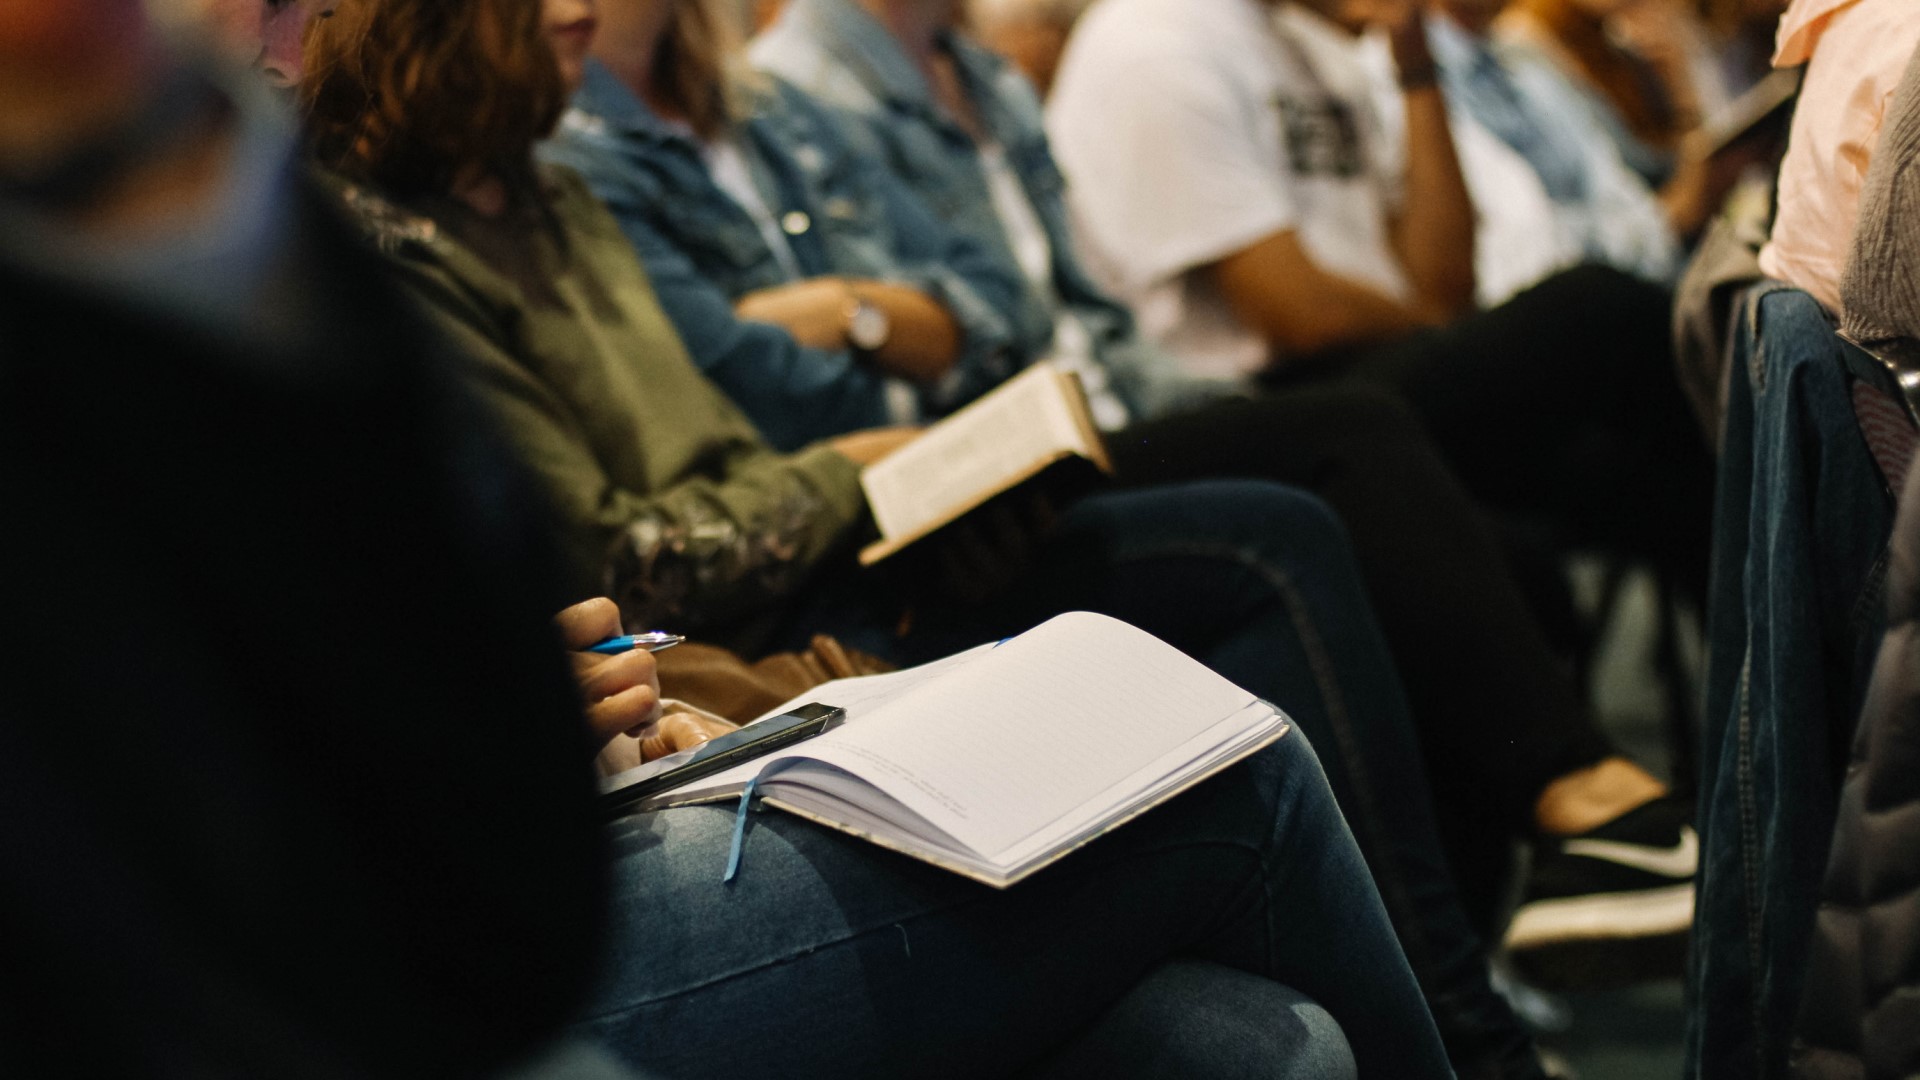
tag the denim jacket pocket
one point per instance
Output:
(729, 252)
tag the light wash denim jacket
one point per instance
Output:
(844, 215)
(837, 52)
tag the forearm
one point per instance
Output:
(705, 553)
(925, 339)
(1354, 316)
(1434, 233)
(1275, 288)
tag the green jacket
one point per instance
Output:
(671, 501)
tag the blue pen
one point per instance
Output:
(652, 641)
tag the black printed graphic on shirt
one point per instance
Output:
(1322, 137)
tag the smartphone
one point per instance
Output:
(800, 723)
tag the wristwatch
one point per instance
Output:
(868, 325)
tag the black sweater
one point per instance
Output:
(292, 777)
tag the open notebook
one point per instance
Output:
(999, 760)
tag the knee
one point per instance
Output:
(1193, 1018)
(1283, 524)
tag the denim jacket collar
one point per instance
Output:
(604, 99)
(857, 40)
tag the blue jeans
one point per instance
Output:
(1800, 526)
(1256, 580)
(829, 957)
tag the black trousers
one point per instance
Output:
(1497, 711)
(1561, 406)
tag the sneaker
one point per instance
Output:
(1612, 905)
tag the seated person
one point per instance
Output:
(824, 303)
(546, 358)
(291, 765)
(390, 865)
(1572, 198)
(1319, 263)
(639, 450)
(1646, 96)
(942, 127)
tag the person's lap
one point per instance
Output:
(828, 956)
(1560, 403)
(1258, 581)
(1194, 1018)
(1498, 713)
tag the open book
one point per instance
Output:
(997, 761)
(1033, 421)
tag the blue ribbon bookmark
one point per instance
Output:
(740, 830)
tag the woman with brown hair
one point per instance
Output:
(827, 956)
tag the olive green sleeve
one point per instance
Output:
(701, 553)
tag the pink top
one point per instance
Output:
(1855, 52)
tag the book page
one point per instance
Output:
(995, 752)
(975, 453)
(860, 696)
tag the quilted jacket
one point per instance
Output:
(1861, 1016)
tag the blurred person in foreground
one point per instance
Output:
(294, 777)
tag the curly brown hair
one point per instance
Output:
(410, 95)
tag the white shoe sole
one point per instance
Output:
(1652, 913)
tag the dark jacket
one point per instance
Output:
(1861, 1016)
(293, 780)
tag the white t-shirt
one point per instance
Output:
(1521, 236)
(1191, 129)
(727, 164)
(1072, 342)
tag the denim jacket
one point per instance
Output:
(837, 52)
(843, 215)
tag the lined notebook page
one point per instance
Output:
(861, 696)
(969, 755)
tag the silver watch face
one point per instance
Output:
(868, 328)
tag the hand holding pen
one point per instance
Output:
(652, 641)
(620, 683)
(621, 688)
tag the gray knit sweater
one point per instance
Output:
(1880, 291)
